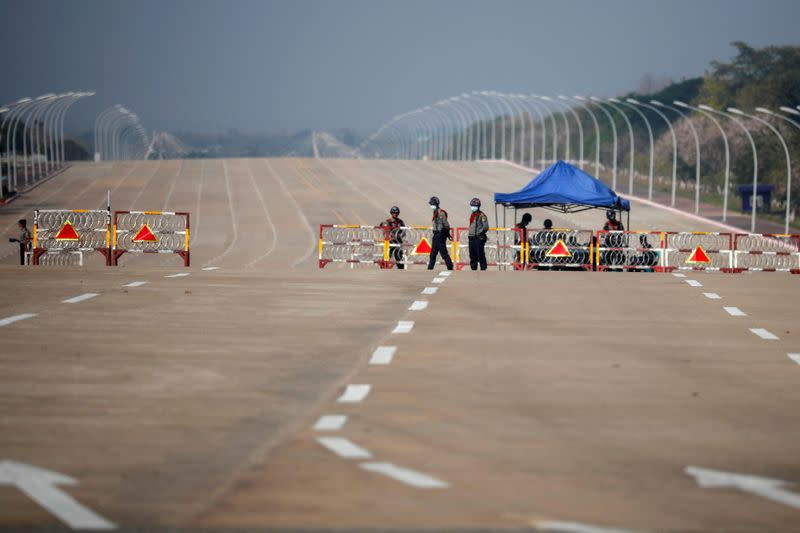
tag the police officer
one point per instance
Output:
(612, 224)
(441, 233)
(521, 225)
(478, 226)
(24, 239)
(396, 234)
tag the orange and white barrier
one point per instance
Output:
(504, 248)
(150, 232)
(549, 249)
(630, 250)
(766, 252)
(698, 250)
(59, 235)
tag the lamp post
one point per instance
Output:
(755, 158)
(650, 138)
(461, 139)
(567, 139)
(538, 106)
(596, 131)
(519, 109)
(499, 97)
(785, 151)
(696, 151)
(477, 96)
(449, 145)
(475, 145)
(674, 145)
(632, 148)
(98, 133)
(493, 117)
(614, 135)
(577, 121)
(710, 117)
(13, 118)
(40, 105)
(60, 125)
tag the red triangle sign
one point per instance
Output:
(423, 247)
(145, 235)
(559, 249)
(67, 233)
(698, 256)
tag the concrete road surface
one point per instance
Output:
(267, 393)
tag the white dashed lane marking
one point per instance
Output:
(764, 334)
(330, 423)
(734, 311)
(712, 295)
(383, 355)
(418, 305)
(405, 475)
(575, 527)
(445, 273)
(694, 283)
(430, 290)
(207, 269)
(354, 393)
(439, 280)
(178, 275)
(16, 318)
(403, 326)
(81, 298)
(344, 448)
(135, 284)
(678, 275)
(794, 357)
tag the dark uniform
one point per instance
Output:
(613, 240)
(478, 226)
(519, 240)
(396, 235)
(24, 240)
(441, 233)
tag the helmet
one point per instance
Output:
(548, 224)
(475, 202)
(394, 210)
(526, 218)
(434, 200)
(611, 214)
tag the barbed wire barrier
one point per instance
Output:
(150, 232)
(69, 233)
(565, 249)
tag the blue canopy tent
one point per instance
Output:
(563, 188)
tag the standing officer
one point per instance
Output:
(441, 233)
(478, 226)
(394, 223)
(521, 242)
(24, 239)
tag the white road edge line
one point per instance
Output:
(575, 527)
(405, 475)
(82, 297)
(712, 295)
(330, 423)
(679, 275)
(418, 305)
(178, 275)
(734, 311)
(403, 326)
(135, 284)
(693, 283)
(383, 355)
(764, 334)
(439, 280)
(344, 448)
(430, 290)
(354, 393)
(207, 269)
(794, 357)
(16, 318)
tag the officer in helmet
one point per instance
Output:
(441, 233)
(478, 226)
(394, 225)
(612, 224)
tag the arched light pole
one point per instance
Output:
(13, 118)
(785, 151)
(520, 112)
(510, 112)
(441, 130)
(577, 121)
(755, 158)
(61, 148)
(710, 117)
(674, 145)
(450, 146)
(489, 103)
(98, 132)
(538, 106)
(614, 135)
(582, 103)
(42, 103)
(490, 118)
(650, 137)
(567, 140)
(526, 110)
(632, 147)
(696, 151)
(463, 123)
(474, 127)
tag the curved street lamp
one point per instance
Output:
(614, 134)
(531, 100)
(547, 102)
(578, 122)
(596, 130)
(696, 151)
(650, 138)
(674, 145)
(632, 147)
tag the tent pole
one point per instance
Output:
(495, 214)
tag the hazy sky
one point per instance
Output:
(286, 65)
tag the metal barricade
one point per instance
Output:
(503, 248)
(411, 245)
(641, 251)
(151, 232)
(352, 244)
(69, 233)
(766, 252)
(698, 251)
(559, 249)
